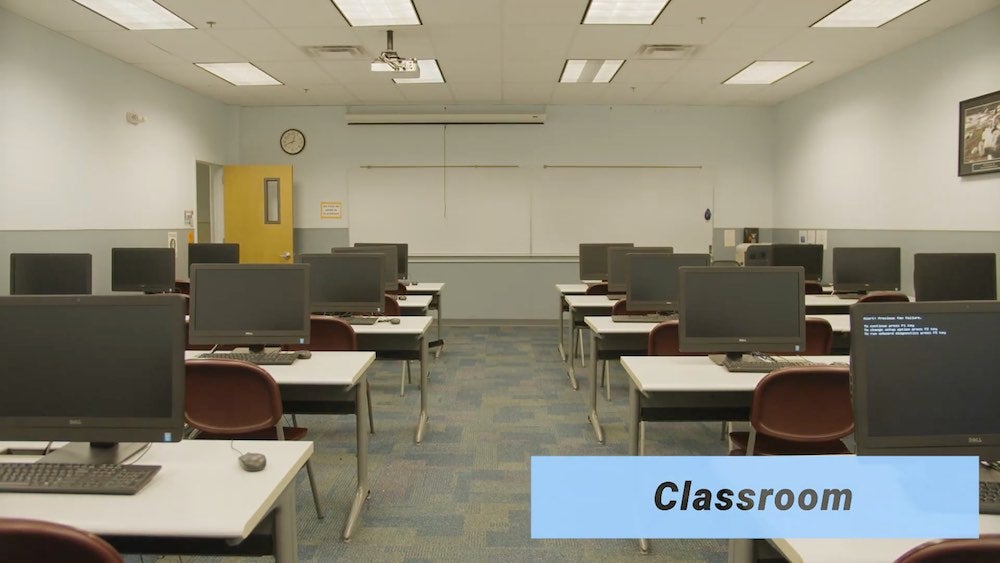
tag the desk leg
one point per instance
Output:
(634, 437)
(286, 541)
(570, 370)
(740, 551)
(562, 348)
(439, 343)
(361, 494)
(593, 388)
(424, 359)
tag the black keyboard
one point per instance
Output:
(261, 359)
(989, 497)
(759, 365)
(361, 320)
(74, 478)
(643, 318)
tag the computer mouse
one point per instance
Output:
(394, 320)
(401, 298)
(304, 354)
(253, 462)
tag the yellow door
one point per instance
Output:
(257, 203)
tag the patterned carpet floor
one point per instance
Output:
(497, 396)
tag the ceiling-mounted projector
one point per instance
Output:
(390, 61)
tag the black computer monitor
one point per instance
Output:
(390, 278)
(594, 259)
(346, 282)
(809, 256)
(653, 279)
(955, 276)
(249, 304)
(94, 369)
(860, 270)
(50, 274)
(924, 378)
(618, 264)
(402, 256)
(150, 270)
(736, 310)
(213, 253)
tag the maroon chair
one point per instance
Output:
(883, 296)
(619, 308)
(819, 337)
(38, 540)
(235, 400)
(600, 288)
(985, 549)
(799, 411)
(391, 309)
(813, 287)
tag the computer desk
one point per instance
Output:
(690, 388)
(414, 305)
(199, 502)
(404, 341)
(433, 289)
(828, 304)
(565, 289)
(329, 383)
(581, 306)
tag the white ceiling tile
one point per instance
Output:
(606, 41)
(227, 14)
(684, 35)
(471, 43)
(746, 43)
(427, 93)
(191, 45)
(476, 92)
(568, 12)
(533, 71)
(460, 12)
(470, 71)
(715, 12)
(787, 13)
(259, 44)
(299, 13)
(376, 94)
(300, 74)
(527, 93)
(646, 71)
(309, 36)
(589, 94)
(124, 45)
(63, 15)
(531, 42)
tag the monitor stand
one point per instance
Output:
(719, 359)
(94, 453)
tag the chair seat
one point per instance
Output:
(769, 445)
(292, 433)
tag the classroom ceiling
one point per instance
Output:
(499, 52)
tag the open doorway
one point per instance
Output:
(209, 216)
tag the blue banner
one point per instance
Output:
(754, 497)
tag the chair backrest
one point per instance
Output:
(391, 308)
(882, 296)
(620, 308)
(597, 289)
(400, 289)
(804, 404)
(664, 340)
(230, 397)
(330, 334)
(37, 540)
(819, 337)
(813, 287)
(985, 549)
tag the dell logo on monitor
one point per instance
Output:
(975, 440)
(75, 422)
(248, 333)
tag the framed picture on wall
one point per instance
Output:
(979, 135)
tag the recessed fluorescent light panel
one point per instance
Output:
(641, 12)
(867, 13)
(240, 74)
(136, 14)
(590, 70)
(765, 72)
(430, 73)
(361, 13)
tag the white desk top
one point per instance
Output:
(571, 288)
(604, 325)
(694, 373)
(415, 301)
(861, 550)
(414, 325)
(323, 368)
(200, 492)
(424, 287)
(828, 300)
(595, 301)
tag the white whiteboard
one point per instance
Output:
(516, 211)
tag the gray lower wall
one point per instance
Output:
(481, 288)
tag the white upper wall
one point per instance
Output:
(734, 144)
(68, 158)
(877, 148)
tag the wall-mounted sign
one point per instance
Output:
(331, 210)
